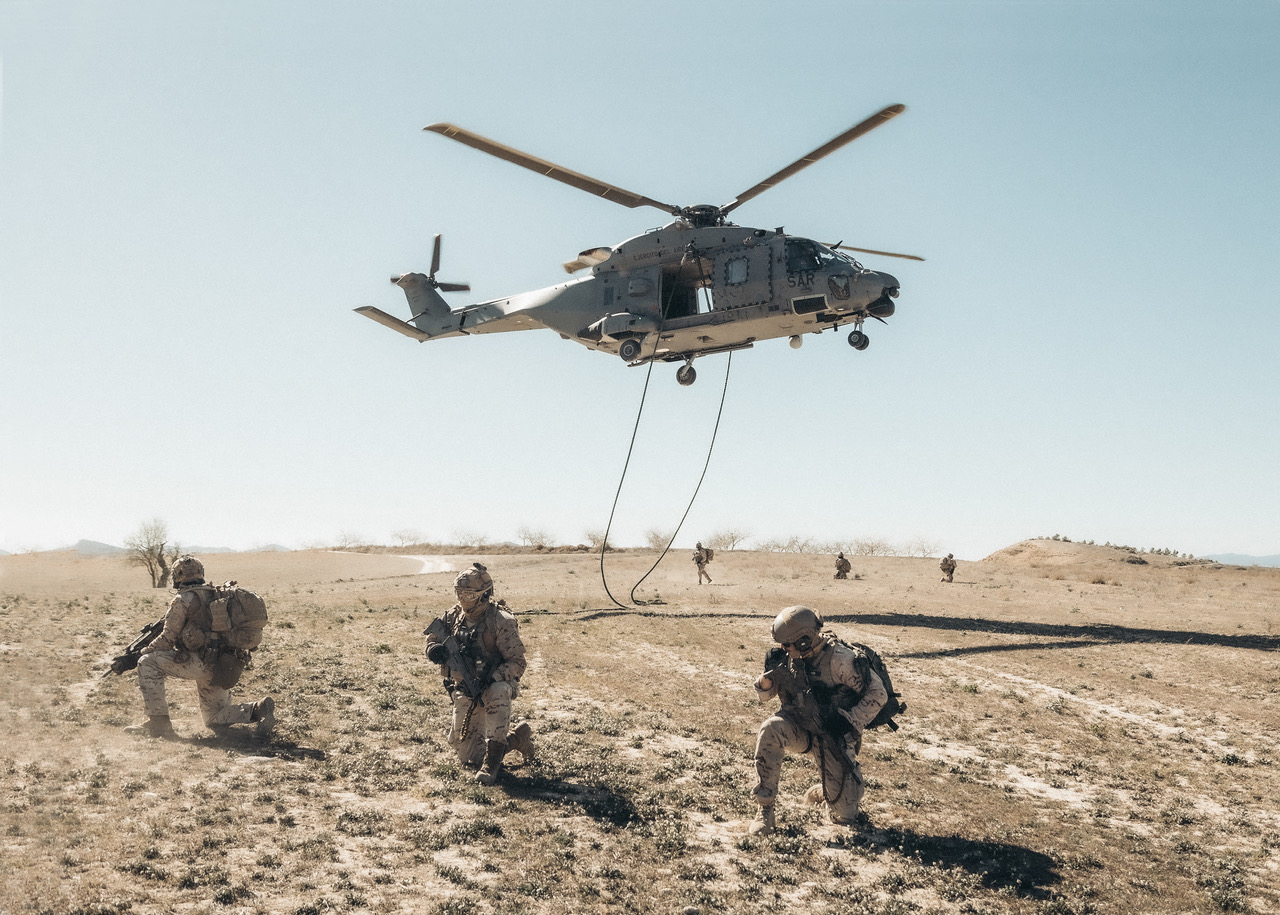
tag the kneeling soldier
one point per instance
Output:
(188, 648)
(477, 645)
(828, 694)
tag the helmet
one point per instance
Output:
(840, 555)
(188, 571)
(797, 627)
(950, 555)
(474, 583)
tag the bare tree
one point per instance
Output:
(595, 537)
(921, 547)
(657, 539)
(872, 546)
(534, 537)
(407, 536)
(728, 539)
(149, 547)
(470, 540)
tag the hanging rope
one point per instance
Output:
(635, 429)
(657, 338)
(705, 465)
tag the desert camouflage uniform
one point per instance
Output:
(948, 567)
(832, 665)
(169, 656)
(700, 559)
(498, 648)
(842, 567)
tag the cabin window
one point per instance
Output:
(810, 304)
(735, 271)
(639, 286)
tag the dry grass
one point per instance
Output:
(1072, 746)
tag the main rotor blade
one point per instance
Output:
(549, 169)
(825, 149)
(910, 257)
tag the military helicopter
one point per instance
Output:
(695, 286)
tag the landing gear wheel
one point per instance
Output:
(858, 340)
(629, 350)
(685, 375)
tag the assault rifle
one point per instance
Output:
(814, 707)
(129, 660)
(449, 651)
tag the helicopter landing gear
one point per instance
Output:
(629, 350)
(686, 375)
(858, 340)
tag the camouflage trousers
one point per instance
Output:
(841, 574)
(216, 707)
(841, 778)
(703, 573)
(475, 722)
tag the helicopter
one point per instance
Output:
(696, 286)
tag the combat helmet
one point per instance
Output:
(188, 571)
(797, 627)
(473, 585)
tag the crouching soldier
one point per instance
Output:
(477, 645)
(843, 566)
(828, 694)
(189, 649)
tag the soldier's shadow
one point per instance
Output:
(596, 801)
(247, 743)
(997, 865)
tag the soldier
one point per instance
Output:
(701, 557)
(829, 694)
(478, 646)
(842, 566)
(948, 567)
(187, 649)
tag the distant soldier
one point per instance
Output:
(948, 567)
(829, 694)
(701, 557)
(189, 649)
(842, 566)
(481, 656)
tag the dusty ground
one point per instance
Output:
(1084, 734)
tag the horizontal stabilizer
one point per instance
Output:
(403, 327)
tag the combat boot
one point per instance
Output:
(264, 714)
(493, 752)
(521, 741)
(155, 726)
(764, 823)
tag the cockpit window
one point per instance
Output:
(803, 254)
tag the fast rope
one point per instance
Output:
(604, 543)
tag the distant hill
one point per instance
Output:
(1239, 559)
(94, 548)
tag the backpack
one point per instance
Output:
(238, 616)
(894, 704)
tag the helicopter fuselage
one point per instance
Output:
(679, 292)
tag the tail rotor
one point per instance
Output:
(431, 277)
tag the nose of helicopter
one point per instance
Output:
(883, 306)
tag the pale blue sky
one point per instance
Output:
(193, 197)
